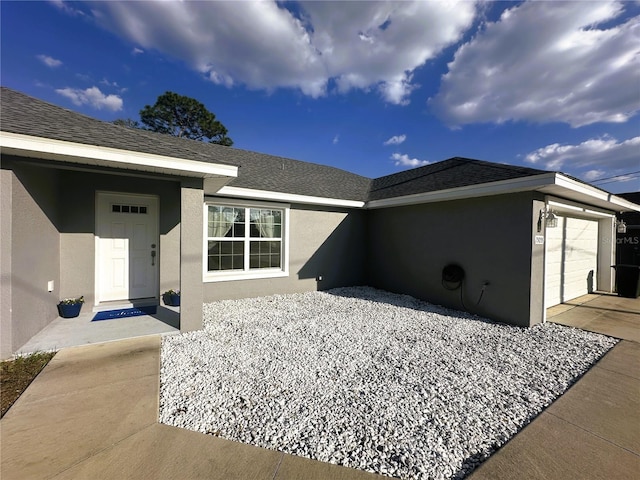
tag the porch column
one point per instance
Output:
(191, 254)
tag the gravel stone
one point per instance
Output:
(367, 379)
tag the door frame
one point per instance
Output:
(605, 255)
(155, 221)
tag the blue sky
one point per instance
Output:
(370, 87)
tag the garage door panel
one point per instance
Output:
(571, 259)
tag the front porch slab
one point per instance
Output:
(72, 332)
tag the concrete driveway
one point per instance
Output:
(593, 430)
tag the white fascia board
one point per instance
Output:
(469, 191)
(612, 201)
(286, 197)
(571, 208)
(58, 150)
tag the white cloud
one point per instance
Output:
(267, 45)
(49, 61)
(546, 62)
(336, 139)
(590, 159)
(67, 8)
(403, 160)
(106, 82)
(92, 97)
(136, 51)
(396, 140)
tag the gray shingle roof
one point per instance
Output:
(26, 115)
(29, 116)
(452, 173)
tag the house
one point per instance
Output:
(117, 214)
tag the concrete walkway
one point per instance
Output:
(92, 413)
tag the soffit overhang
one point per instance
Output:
(551, 183)
(93, 155)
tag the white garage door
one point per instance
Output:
(572, 259)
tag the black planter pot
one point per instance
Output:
(171, 299)
(69, 311)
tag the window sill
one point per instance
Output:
(231, 276)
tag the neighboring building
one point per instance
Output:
(628, 241)
(117, 215)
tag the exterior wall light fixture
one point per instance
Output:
(551, 220)
(621, 227)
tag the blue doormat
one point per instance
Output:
(124, 312)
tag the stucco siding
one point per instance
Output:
(191, 238)
(490, 238)
(34, 253)
(78, 195)
(6, 243)
(327, 243)
(537, 312)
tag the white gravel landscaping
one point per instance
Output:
(367, 379)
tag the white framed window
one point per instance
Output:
(245, 240)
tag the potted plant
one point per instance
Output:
(70, 307)
(171, 298)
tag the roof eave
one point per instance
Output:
(551, 183)
(571, 189)
(521, 184)
(251, 194)
(94, 155)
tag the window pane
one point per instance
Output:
(225, 222)
(238, 230)
(264, 254)
(265, 223)
(225, 255)
(214, 263)
(213, 247)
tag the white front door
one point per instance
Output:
(126, 247)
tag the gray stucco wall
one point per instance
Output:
(32, 242)
(77, 241)
(48, 224)
(490, 237)
(323, 242)
(191, 241)
(536, 297)
(6, 243)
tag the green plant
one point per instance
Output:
(72, 301)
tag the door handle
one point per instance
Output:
(153, 257)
